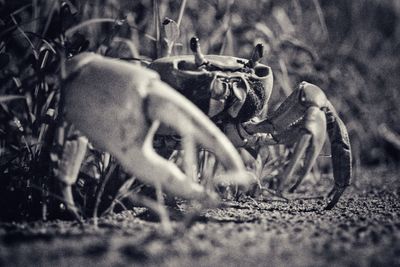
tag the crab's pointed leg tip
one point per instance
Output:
(330, 205)
(293, 188)
(336, 193)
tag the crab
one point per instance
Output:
(120, 106)
(234, 92)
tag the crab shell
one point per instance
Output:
(195, 82)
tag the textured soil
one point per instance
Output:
(363, 230)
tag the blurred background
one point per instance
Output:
(348, 48)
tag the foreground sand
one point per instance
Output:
(364, 230)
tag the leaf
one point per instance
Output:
(283, 20)
(171, 30)
(263, 28)
(5, 98)
(125, 188)
(4, 60)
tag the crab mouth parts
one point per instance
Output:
(236, 95)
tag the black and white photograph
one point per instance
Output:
(199, 133)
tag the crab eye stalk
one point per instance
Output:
(199, 58)
(258, 53)
(194, 44)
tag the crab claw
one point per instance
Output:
(120, 106)
(186, 119)
(304, 118)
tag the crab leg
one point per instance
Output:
(342, 162)
(310, 144)
(305, 118)
(299, 151)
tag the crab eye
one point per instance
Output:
(261, 71)
(219, 89)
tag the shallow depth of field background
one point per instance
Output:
(348, 48)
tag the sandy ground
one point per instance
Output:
(363, 230)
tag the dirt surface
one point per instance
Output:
(363, 230)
